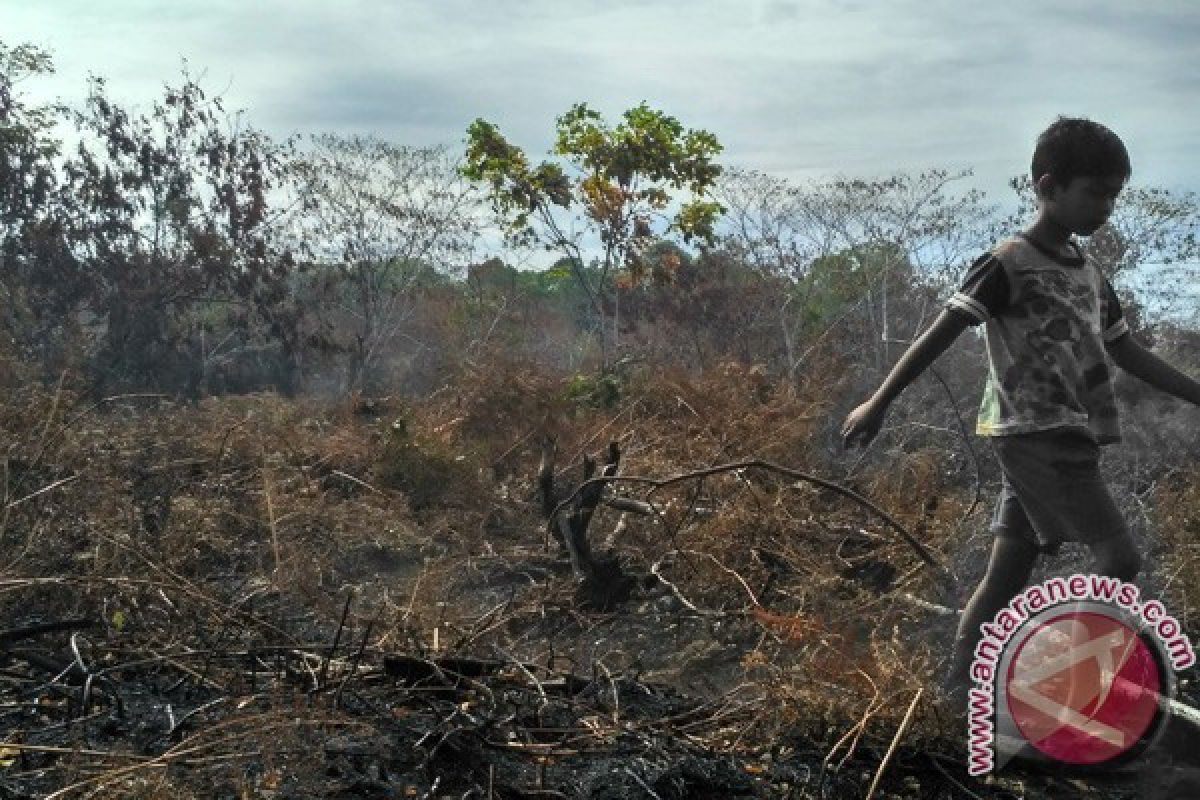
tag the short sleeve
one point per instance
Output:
(1115, 325)
(984, 292)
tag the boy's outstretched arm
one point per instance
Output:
(1140, 362)
(865, 421)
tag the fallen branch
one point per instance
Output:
(925, 605)
(28, 632)
(659, 483)
(630, 505)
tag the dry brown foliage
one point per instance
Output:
(240, 569)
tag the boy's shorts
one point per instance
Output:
(1052, 490)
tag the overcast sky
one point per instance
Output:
(799, 89)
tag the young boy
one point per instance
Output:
(1050, 317)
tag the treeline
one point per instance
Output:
(180, 250)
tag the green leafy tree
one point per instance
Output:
(616, 188)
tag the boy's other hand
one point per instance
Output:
(862, 424)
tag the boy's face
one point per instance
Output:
(1084, 204)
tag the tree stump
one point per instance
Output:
(603, 584)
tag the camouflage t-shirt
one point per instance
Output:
(1047, 320)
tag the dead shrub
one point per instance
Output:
(430, 475)
(1176, 517)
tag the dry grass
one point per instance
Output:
(214, 548)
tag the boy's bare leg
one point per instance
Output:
(1008, 571)
(1117, 557)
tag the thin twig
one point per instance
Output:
(337, 638)
(895, 742)
(174, 754)
(524, 669)
(353, 479)
(353, 670)
(933, 759)
(727, 570)
(656, 571)
(43, 490)
(856, 732)
(175, 728)
(266, 478)
(966, 437)
(72, 751)
(645, 786)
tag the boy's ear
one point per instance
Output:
(1044, 186)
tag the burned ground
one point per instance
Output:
(262, 597)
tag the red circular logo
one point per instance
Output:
(1083, 687)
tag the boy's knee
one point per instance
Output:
(1010, 566)
(1005, 584)
(1129, 566)
(1118, 558)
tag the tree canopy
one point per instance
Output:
(626, 186)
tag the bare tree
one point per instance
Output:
(770, 224)
(379, 215)
(878, 235)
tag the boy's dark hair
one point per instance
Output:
(1072, 147)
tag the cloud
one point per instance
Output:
(797, 88)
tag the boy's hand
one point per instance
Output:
(862, 424)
